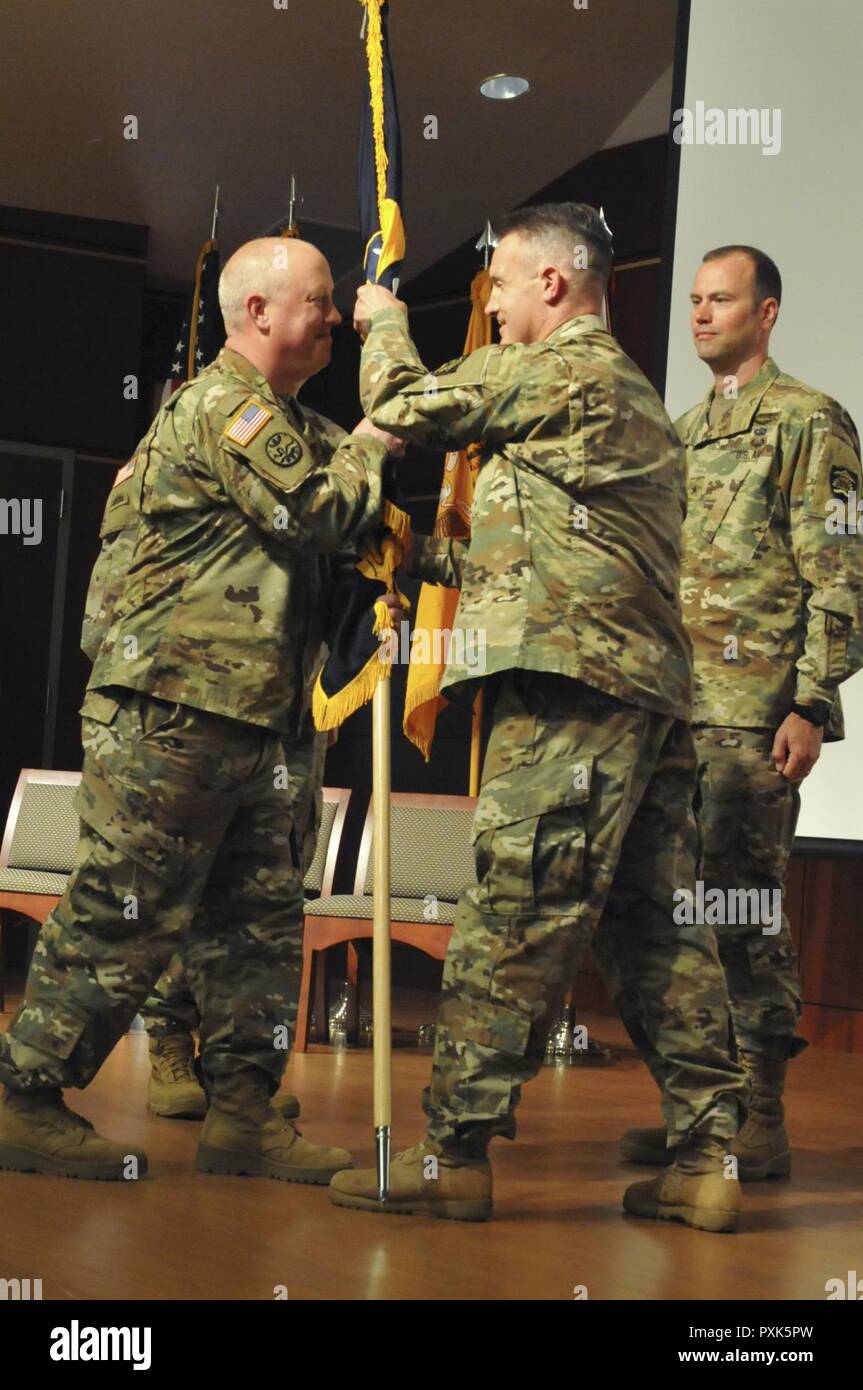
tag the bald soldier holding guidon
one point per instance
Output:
(200, 762)
(584, 825)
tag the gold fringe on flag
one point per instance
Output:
(437, 605)
(331, 711)
(378, 562)
(391, 227)
(375, 61)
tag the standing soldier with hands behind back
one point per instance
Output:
(772, 590)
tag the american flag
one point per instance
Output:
(203, 332)
(246, 425)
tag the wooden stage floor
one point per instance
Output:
(558, 1221)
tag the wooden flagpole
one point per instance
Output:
(381, 981)
(381, 785)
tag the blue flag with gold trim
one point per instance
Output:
(380, 157)
(359, 654)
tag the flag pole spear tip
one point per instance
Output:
(215, 214)
(486, 241)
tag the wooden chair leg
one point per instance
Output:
(322, 1032)
(301, 1033)
(33, 930)
(352, 965)
(352, 971)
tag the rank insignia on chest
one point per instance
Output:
(248, 422)
(284, 450)
(842, 481)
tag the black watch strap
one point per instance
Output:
(817, 714)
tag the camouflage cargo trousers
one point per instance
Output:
(584, 829)
(188, 841)
(171, 1007)
(747, 812)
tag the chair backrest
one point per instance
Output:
(430, 848)
(42, 826)
(319, 878)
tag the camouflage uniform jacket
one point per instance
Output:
(763, 563)
(573, 563)
(220, 539)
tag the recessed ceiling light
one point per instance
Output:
(503, 86)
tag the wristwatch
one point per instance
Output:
(817, 714)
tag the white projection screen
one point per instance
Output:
(803, 205)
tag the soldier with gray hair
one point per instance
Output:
(201, 764)
(584, 826)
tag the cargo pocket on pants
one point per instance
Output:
(48, 1027)
(529, 835)
(496, 1028)
(120, 813)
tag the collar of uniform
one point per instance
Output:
(738, 417)
(238, 365)
(574, 327)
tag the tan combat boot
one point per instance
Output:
(288, 1106)
(646, 1146)
(174, 1090)
(422, 1179)
(761, 1148)
(38, 1134)
(694, 1190)
(246, 1136)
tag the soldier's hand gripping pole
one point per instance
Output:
(381, 998)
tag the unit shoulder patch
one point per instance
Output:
(284, 449)
(842, 481)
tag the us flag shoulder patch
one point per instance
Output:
(248, 422)
(125, 472)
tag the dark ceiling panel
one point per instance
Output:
(245, 95)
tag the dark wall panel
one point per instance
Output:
(71, 314)
(92, 484)
(74, 325)
(633, 313)
(71, 304)
(26, 599)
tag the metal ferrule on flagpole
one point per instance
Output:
(381, 1000)
(382, 1152)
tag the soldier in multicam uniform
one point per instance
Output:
(772, 590)
(199, 756)
(584, 825)
(170, 1014)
